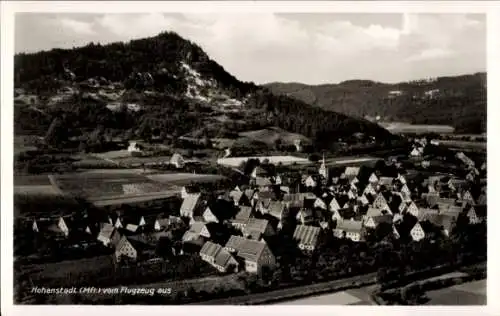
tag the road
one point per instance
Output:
(291, 293)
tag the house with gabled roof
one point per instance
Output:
(386, 182)
(239, 198)
(444, 222)
(162, 223)
(298, 200)
(373, 179)
(177, 160)
(307, 237)
(420, 230)
(242, 216)
(188, 190)
(334, 205)
(467, 197)
(369, 189)
(57, 226)
(381, 201)
(426, 214)
(473, 216)
(278, 210)
(351, 229)
(133, 248)
(319, 203)
(412, 209)
(351, 171)
(310, 182)
(374, 221)
(305, 216)
(109, 235)
(190, 205)
(256, 228)
(363, 200)
(255, 254)
(218, 257)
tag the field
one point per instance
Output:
(401, 128)
(471, 293)
(184, 178)
(61, 269)
(285, 160)
(270, 135)
(463, 144)
(137, 161)
(36, 190)
(94, 185)
(113, 154)
(350, 161)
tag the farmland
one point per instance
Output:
(271, 135)
(285, 160)
(101, 185)
(404, 128)
(184, 178)
(463, 144)
(349, 297)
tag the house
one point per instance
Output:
(310, 182)
(381, 201)
(134, 147)
(374, 221)
(218, 257)
(189, 190)
(319, 203)
(255, 254)
(190, 205)
(351, 171)
(426, 214)
(108, 235)
(177, 160)
(55, 226)
(306, 237)
(196, 229)
(242, 216)
(351, 229)
(417, 152)
(278, 210)
(259, 172)
(133, 248)
(373, 179)
(457, 184)
(305, 216)
(363, 200)
(299, 200)
(334, 205)
(262, 205)
(162, 223)
(386, 182)
(467, 197)
(369, 190)
(420, 230)
(256, 228)
(262, 182)
(412, 209)
(251, 195)
(473, 216)
(239, 198)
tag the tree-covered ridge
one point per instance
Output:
(175, 88)
(458, 101)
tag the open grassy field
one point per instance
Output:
(471, 293)
(114, 154)
(137, 161)
(36, 190)
(184, 178)
(351, 161)
(270, 135)
(402, 128)
(61, 269)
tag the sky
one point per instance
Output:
(312, 48)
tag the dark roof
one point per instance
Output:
(248, 249)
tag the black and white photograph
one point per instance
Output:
(260, 158)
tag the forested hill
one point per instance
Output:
(458, 101)
(163, 86)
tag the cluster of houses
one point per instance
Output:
(346, 204)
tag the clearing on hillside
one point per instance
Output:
(271, 134)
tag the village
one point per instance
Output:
(249, 227)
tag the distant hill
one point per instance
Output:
(458, 101)
(164, 87)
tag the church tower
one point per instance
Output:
(323, 170)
